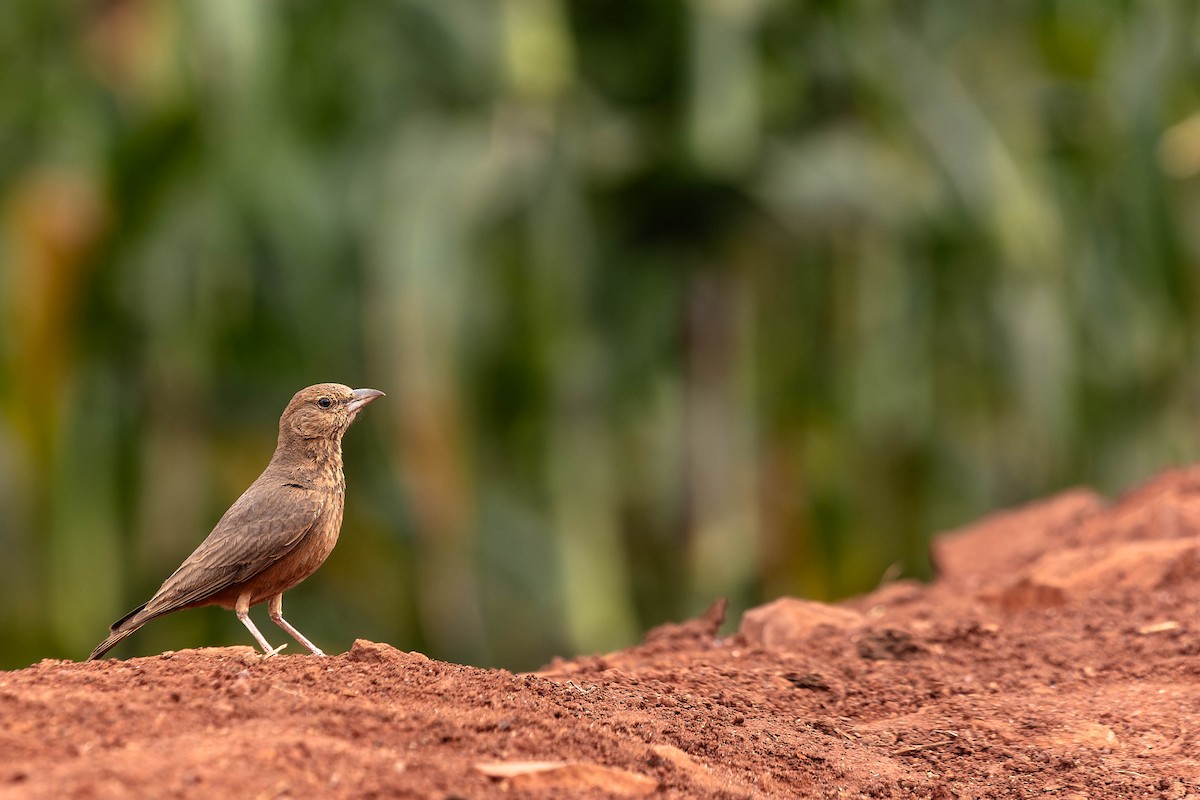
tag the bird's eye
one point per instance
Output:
(325, 402)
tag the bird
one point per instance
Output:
(277, 533)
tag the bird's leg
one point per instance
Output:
(275, 609)
(242, 609)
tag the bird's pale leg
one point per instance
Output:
(275, 609)
(242, 609)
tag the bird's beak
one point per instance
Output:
(361, 398)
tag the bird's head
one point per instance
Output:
(323, 411)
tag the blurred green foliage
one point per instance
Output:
(670, 300)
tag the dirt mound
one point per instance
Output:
(1056, 655)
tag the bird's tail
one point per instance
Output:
(119, 630)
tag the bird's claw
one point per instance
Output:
(272, 652)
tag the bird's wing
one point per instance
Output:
(263, 526)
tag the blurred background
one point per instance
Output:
(670, 300)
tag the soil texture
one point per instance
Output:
(1056, 655)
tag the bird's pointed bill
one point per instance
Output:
(361, 398)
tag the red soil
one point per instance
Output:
(1056, 656)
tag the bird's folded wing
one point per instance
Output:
(263, 526)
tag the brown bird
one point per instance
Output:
(278, 532)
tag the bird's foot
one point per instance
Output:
(274, 651)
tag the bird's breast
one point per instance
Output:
(308, 554)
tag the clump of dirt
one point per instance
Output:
(1056, 655)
